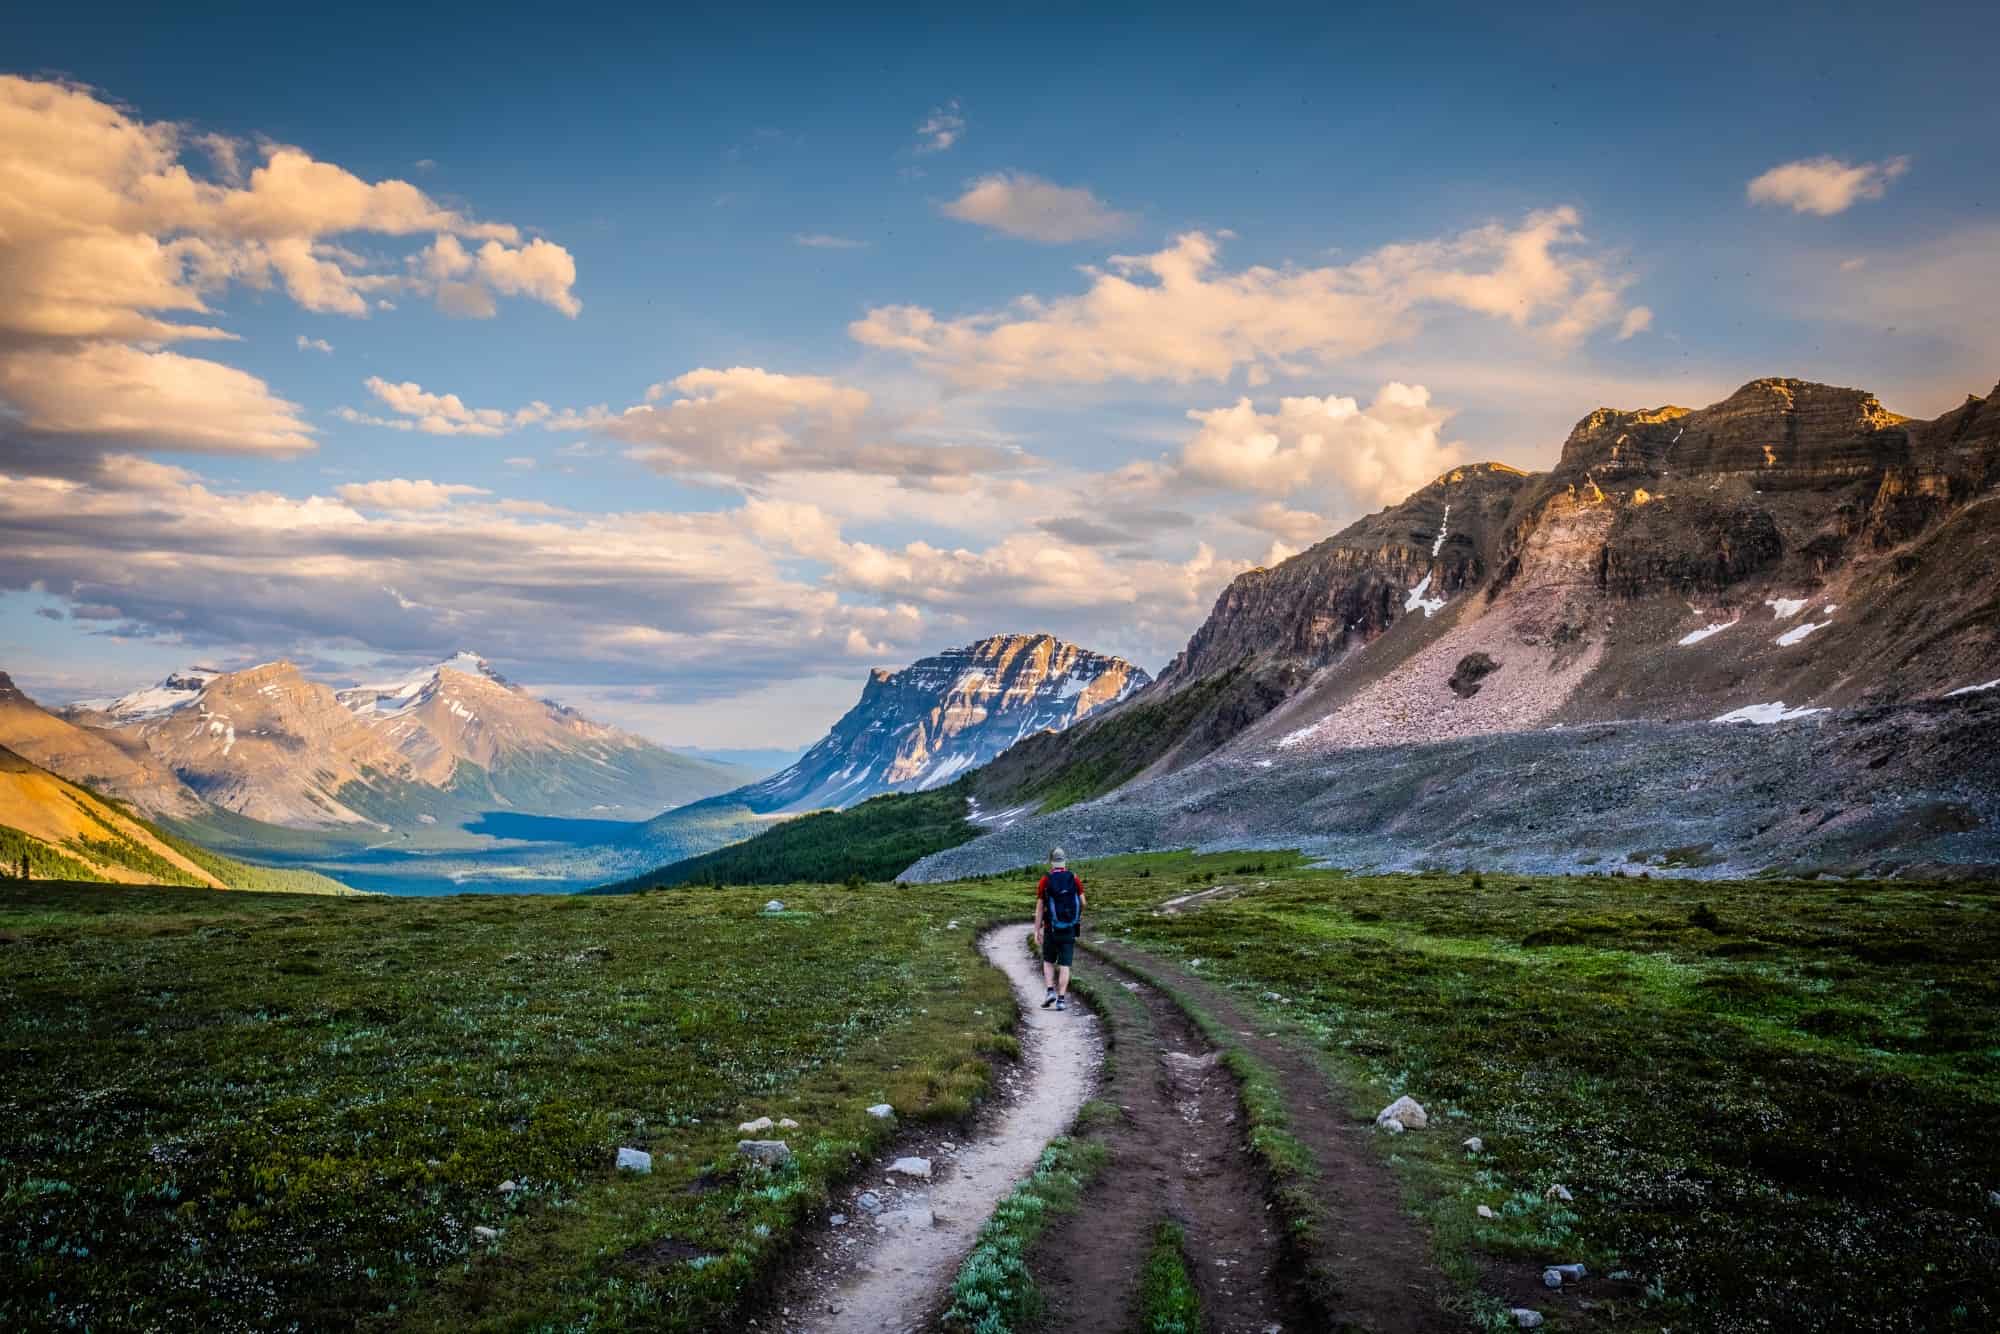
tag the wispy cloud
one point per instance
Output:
(941, 129)
(314, 344)
(827, 241)
(1036, 210)
(1824, 185)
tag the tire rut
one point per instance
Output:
(1177, 1151)
(1373, 1269)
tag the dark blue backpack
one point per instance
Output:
(1064, 901)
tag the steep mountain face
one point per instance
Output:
(1796, 542)
(104, 761)
(444, 743)
(920, 727)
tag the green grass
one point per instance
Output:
(242, 1111)
(994, 1292)
(875, 840)
(1771, 1111)
(1168, 1302)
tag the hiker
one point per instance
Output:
(1058, 922)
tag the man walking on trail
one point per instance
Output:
(1058, 922)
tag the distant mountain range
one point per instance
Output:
(436, 746)
(913, 730)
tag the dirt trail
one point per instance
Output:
(1177, 1152)
(887, 1271)
(1374, 1270)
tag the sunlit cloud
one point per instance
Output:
(1825, 185)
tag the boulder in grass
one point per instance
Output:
(508, 1187)
(1558, 1192)
(912, 1167)
(1486, 1211)
(788, 1124)
(765, 1152)
(1407, 1110)
(882, 1111)
(756, 1127)
(1526, 1319)
(635, 1160)
(1475, 1145)
(489, 1235)
(775, 905)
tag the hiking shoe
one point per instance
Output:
(1062, 1002)
(1050, 1001)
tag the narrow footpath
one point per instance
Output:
(886, 1270)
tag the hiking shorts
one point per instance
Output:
(1058, 947)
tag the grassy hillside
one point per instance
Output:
(265, 1112)
(872, 841)
(67, 832)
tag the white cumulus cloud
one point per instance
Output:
(1825, 185)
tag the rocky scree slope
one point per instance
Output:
(1796, 542)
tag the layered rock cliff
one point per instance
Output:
(925, 724)
(1794, 542)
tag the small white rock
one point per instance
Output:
(635, 1160)
(1475, 1145)
(508, 1187)
(1526, 1319)
(838, 1220)
(882, 1111)
(1390, 1124)
(1407, 1110)
(761, 1124)
(1485, 1211)
(912, 1167)
(1558, 1191)
(1552, 1278)
(951, 925)
(768, 1152)
(775, 905)
(486, 1234)
(868, 1202)
(788, 1124)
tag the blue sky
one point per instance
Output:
(902, 392)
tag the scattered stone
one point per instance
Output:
(762, 1123)
(765, 1152)
(1570, 1273)
(486, 1234)
(1272, 996)
(433, 1163)
(951, 925)
(1390, 1124)
(1558, 1191)
(915, 1216)
(1993, 1198)
(882, 1111)
(788, 1124)
(1407, 1110)
(1475, 1145)
(868, 1202)
(775, 905)
(1552, 1278)
(912, 1167)
(838, 1220)
(635, 1160)
(508, 1187)
(1485, 1211)
(1526, 1319)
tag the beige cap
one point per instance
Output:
(1056, 857)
